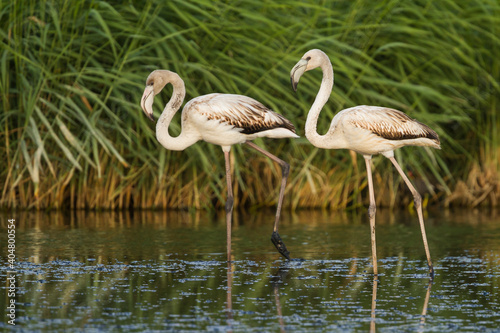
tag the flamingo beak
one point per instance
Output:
(297, 72)
(147, 102)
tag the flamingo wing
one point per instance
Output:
(242, 112)
(388, 123)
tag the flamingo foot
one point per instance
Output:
(276, 239)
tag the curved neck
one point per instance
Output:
(322, 97)
(184, 139)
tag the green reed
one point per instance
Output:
(72, 74)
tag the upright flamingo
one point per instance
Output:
(367, 130)
(224, 120)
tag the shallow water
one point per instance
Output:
(145, 271)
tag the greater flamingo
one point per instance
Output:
(221, 119)
(367, 130)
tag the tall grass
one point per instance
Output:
(72, 74)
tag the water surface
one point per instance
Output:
(167, 271)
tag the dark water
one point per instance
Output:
(146, 271)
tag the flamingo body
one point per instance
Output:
(224, 120)
(370, 130)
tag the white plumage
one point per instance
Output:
(371, 130)
(221, 119)
(367, 130)
(225, 119)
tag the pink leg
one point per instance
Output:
(229, 204)
(418, 205)
(372, 209)
(285, 170)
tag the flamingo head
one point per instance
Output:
(154, 84)
(310, 60)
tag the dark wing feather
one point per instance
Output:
(390, 124)
(243, 112)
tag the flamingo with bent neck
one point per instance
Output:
(367, 130)
(224, 120)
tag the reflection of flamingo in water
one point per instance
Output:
(374, 306)
(424, 308)
(224, 120)
(229, 295)
(276, 282)
(367, 130)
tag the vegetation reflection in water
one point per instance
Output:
(167, 271)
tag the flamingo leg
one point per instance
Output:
(229, 203)
(417, 198)
(285, 170)
(372, 209)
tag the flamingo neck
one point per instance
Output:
(322, 97)
(185, 138)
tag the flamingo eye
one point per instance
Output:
(308, 58)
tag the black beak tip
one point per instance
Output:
(294, 84)
(150, 116)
